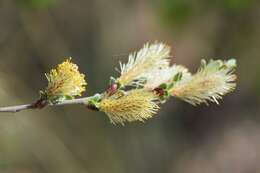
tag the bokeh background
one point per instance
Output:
(35, 35)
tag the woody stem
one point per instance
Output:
(84, 100)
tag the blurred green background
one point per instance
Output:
(35, 35)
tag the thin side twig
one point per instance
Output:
(18, 108)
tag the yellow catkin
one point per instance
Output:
(65, 80)
(210, 83)
(135, 105)
(142, 63)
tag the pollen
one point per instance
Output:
(65, 80)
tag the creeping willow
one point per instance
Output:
(145, 81)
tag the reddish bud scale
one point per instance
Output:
(41, 103)
(112, 89)
(92, 107)
(159, 91)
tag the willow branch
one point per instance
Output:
(18, 108)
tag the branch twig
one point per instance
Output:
(18, 108)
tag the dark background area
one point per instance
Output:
(35, 35)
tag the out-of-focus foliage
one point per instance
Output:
(177, 10)
(36, 3)
(180, 11)
(233, 6)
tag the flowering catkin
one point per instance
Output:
(165, 75)
(210, 83)
(145, 81)
(142, 63)
(65, 80)
(135, 105)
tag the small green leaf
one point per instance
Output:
(96, 98)
(163, 86)
(68, 97)
(177, 77)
